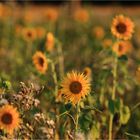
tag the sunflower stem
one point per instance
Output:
(132, 135)
(63, 113)
(136, 106)
(60, 60)
(54, 76)
(77, 116)
(29, 49)
(113, 95)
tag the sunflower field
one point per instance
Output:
(69, 72)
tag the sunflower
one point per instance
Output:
(107, 43)
(50, 40)
(74, 87)
(9, 118)
(5, 11)
(29, 34)
(122, 27)
(51, 14)
(122, 47)
(98, 32)
(40, 31)
(40, 62)
(81, 15)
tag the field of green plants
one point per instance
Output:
(69, 73)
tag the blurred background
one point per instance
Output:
(82, 28)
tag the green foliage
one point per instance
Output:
(5, 84)
(124, 114)
(114, 105)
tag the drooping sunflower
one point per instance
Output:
(29, 16)
(122, 27)
(50, 40)
(9, 118)
(40, 62)
(29, 34)
(75, 86)
(122, 47)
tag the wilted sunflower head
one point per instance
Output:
(40, 62)
(122, 27)
(9, 118)
(122, 47)
(75, 86)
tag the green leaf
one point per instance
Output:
(68, 106)
(95, 131)
(124, 114)
(111, 106)
(7, 84)
(117, 104)
(114, 105)
(123, 58)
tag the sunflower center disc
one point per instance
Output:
(120, 48)
(75, 87)
(41, 61)
(121, 28)
(29, 34)
(6, 118)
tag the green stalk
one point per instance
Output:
(77, 116)
(60, 60)
(54, 76)
(113, 96)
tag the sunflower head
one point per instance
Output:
(5, 11)
(107, 43)
(50, 41)
(28, 16)
(40, 32)
(98, 32)
(51, 14)
(9, 118)
(40, 62)
(81, 15)
(122, 27)
(74, 87)
(122, 47)
(29, 34)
